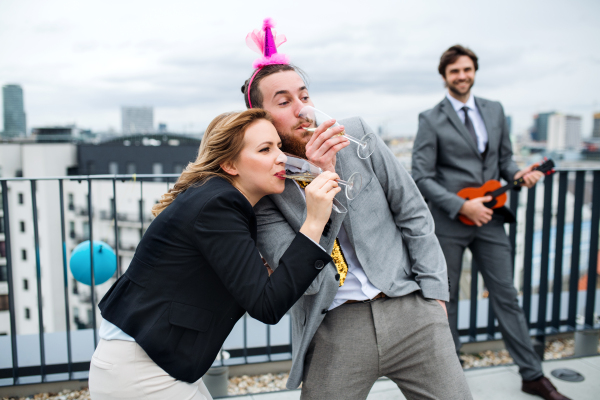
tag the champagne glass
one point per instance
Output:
(302, 170)
(366, 145)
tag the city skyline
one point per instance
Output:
(379, 62)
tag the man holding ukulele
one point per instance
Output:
(464, 142)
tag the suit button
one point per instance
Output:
(324, 311)
(319, 264)
(337, 277)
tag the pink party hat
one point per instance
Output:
(265, 41)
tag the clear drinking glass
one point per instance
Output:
(366, 145)
(299, 169)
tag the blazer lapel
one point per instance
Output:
(459, 126)
(291, 204)
(487, 121)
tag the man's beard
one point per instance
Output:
(454, 90)
(293, 145)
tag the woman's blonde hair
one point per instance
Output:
(222, 143)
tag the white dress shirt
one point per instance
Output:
(109, 331)
(356, 286)
(475, 116)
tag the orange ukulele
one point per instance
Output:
(497, 191)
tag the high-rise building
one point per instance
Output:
(14, 112)
(596, 129)
(137, 120)
(564, 132)
(540, 126)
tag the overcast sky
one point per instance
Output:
(80, 61)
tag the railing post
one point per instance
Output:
(473, 304)
(38, 269)
(65, 276)
(11, 292)
(114, 201)
(563, 181)
(545, 263)
(141, 208)
(246, 337)
(528, 253)
(269, 342)
(512, 232)
(593, 255)
(291, 349)
(575, 249)
(93, 280)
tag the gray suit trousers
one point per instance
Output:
(403, 338)
(491, 251)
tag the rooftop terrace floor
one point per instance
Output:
(493, 383)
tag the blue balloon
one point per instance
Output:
(105, 262)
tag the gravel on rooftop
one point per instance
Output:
(245, 384)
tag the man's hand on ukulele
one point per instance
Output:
(476, 211)
(530, 177)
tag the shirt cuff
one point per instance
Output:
(315, 242)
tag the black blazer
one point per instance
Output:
(196, 272)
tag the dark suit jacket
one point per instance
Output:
(196, 272)
(446, 159)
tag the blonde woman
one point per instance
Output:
(197, 271)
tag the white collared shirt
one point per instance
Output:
(475, 116)
(356, 286)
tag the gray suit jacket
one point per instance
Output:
(446, 159)
(388, 224)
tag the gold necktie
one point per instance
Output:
(337, 254)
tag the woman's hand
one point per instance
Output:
(319, 199)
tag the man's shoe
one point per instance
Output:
(544, 388)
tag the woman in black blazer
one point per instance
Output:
(197, 271)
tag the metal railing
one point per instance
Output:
(242, 351)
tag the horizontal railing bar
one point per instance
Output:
(95, 177)
(48, 369)
(148, 176)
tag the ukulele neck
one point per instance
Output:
(507, 187)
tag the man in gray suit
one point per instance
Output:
(378, 310)
(464, 142)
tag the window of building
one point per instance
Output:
(22, 226)
(2, 249)
(113, 167)
(27, 313)
(71, 201)
(25, 284)
(72, 229)
(1, 224)
(20, 198)
(74, 286)
(112, 207)
(3, 273)
(157, 169)
(177, 168)
(3, 302)
(86, 230)
(131, 168)
(23, 254)
(91, 167)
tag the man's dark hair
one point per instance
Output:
(255, 94)
(451, 55)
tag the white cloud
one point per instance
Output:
(80, 61)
